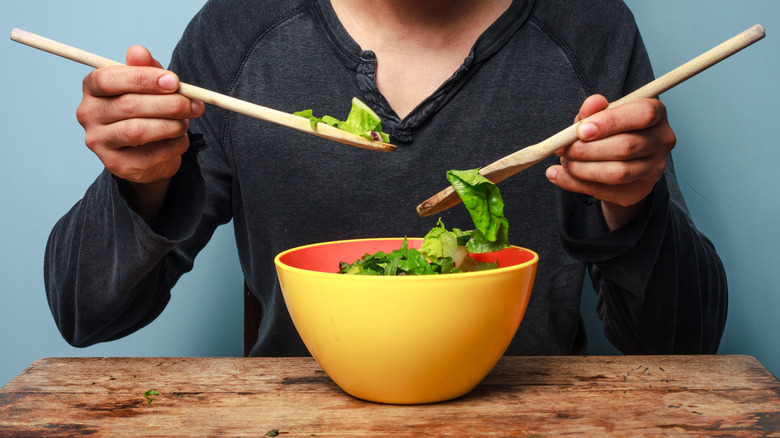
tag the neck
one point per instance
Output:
(418, 43)
(404, 22)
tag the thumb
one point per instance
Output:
(591, 105)
(141, 57)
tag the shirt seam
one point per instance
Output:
(566, 51)
(245, 60)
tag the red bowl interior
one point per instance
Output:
(326, 257)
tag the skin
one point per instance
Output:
(418, 44)
(620, 155)
(136, 124)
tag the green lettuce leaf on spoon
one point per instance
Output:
(361, 120)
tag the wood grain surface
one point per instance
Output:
(554, 396)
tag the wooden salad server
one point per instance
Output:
(223, 101)
(527, 157)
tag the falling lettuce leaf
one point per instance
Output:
(362, 121)
(486, 207)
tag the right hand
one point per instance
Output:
(135, 122)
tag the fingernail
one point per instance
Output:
(168, 82)
(586, 130)
(551, 173)
(564, 161)
(197, 106)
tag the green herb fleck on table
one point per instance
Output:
(148, 394)
(272, 432)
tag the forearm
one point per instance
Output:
(661, 285)
(107, 272)
(678, 307)
(147, 199)
(95, 259)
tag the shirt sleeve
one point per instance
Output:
(107, 273)
(660, 282)
(661, 285)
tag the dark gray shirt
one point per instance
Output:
(661, 286)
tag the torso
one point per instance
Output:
(285, 188)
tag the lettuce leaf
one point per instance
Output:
(439, 242)
(486, 207)
(361, 120)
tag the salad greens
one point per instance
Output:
(447, 251)
(402, 261)
(362, 121)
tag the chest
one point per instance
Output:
(329, 190)
(407, 77)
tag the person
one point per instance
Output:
(458, 84)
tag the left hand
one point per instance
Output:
(620, 155)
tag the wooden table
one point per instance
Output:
(621, 395)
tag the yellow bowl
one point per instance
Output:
(408, 339)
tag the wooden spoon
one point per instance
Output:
(208, 96)
(527, 157)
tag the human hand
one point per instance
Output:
(134, 121)
(620, 155)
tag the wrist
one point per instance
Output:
(617, 215)
(147, 199)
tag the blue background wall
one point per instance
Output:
(726, 161)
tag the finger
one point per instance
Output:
(635, 115)
(140, 56)
(133, 132)
(591, 105)
(128, 106)
(624, 194)
(616, 172)
(115, 80)
(626, 146)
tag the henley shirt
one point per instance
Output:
(661, 286)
